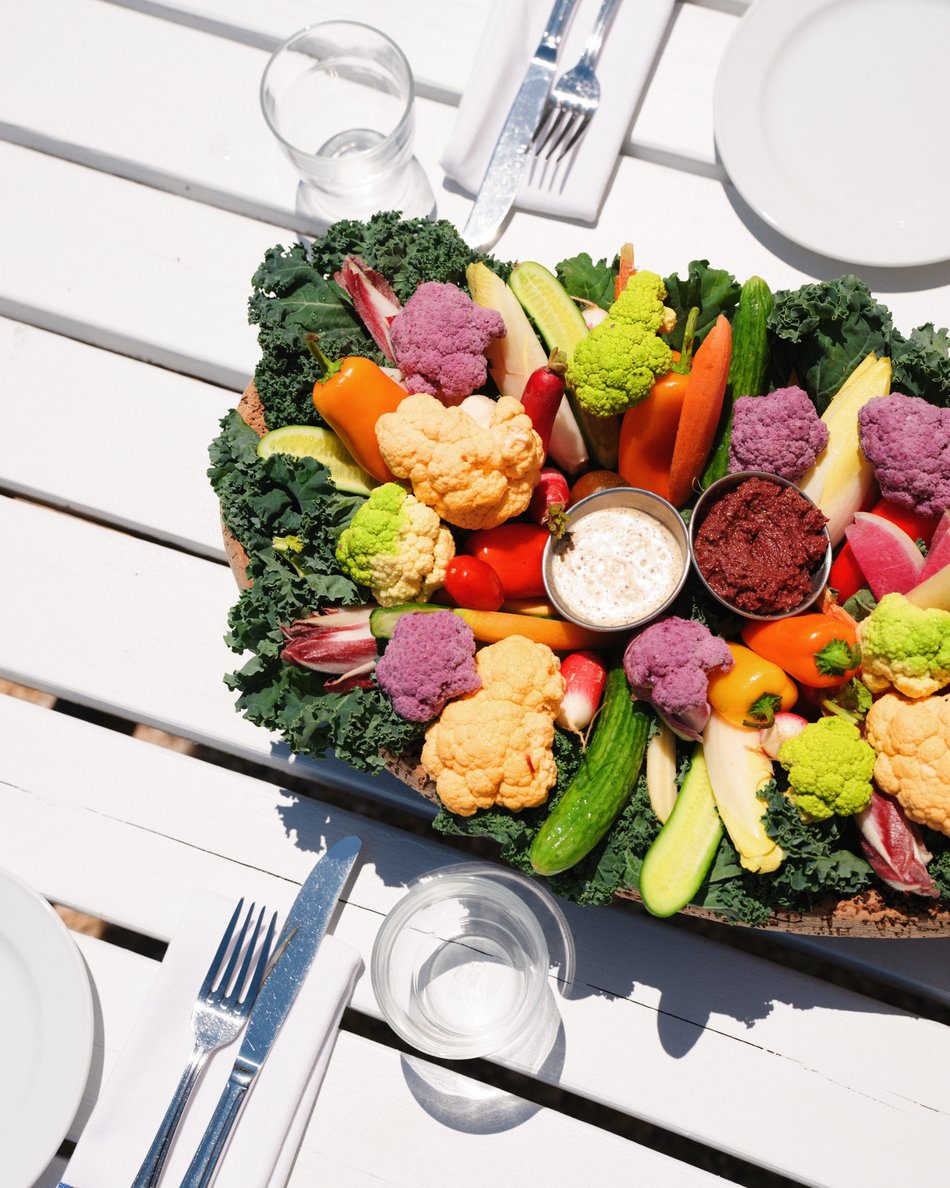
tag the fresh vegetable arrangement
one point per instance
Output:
(421, 420)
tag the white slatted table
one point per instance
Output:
(140, 191)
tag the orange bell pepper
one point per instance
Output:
(351, 397)
(816, 649)
(753, 691)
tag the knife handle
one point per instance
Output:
(557, 22)
(205, 1159)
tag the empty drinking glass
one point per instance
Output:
(339, 98)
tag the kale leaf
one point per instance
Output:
(823, 330)
(581, 277)
(714, 290)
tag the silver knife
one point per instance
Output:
(303, 930)
(508, 161)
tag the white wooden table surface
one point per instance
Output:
(140, 190)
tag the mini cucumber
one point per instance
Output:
(683, 851)
(747, 367)
(561, 325)
(603, 783)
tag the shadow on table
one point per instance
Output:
(686, 976)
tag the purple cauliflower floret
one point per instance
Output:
(428, 661)
(781, 433)
(439, 339)
(667, 664)
(907, 441)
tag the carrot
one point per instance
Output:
(558, 634)
(702, 405)
(626, 269)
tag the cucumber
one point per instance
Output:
(747, 368)
(603, 783)
(680, 857)
(561, 325)
(383, 619)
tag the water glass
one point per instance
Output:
(338, 97)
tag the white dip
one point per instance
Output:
(618, 565)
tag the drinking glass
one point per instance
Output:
(338, 97)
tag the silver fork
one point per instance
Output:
(221, 1009)
(575, 96)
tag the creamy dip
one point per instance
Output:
(616, 566)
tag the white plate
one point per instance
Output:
(46, 1012)
(830, 120)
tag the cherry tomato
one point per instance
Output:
(514, 552)
(473, 584)
(595, 480)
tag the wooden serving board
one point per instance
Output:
(873, 913)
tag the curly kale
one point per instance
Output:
(275, 497)
(406, 251)
(294, 294)
(614, 864)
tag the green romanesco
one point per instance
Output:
(829, 768)
(905, 646)
(397, 546)
(641, 303)
(616, 365)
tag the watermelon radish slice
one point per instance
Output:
(939, 553)
(889, 559)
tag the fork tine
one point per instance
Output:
(225, 980)
(263, 962)
(560, 130)
(218, 957)
(543, 131)
(580, 126)
(234, 996)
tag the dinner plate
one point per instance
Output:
(46, 1010)
(830, 121)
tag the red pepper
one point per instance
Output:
(542, 395)
(815, 649)
(514, 552)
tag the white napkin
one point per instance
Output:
(511, 35)
(132, 1104)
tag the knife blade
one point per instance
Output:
(302, 933)
(510, 155)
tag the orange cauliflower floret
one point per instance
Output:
(471, 476)
(495, 746)
(912, 741)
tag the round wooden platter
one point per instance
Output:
(873, 913)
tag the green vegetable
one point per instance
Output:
(383, 619)
(851, 702)
(294, 294)
(747, 367)
(713, 290)
(685, 847)
(823, 330)
(603, 784)
(616, 365)
(829, 768)
(561, 326)
(309, 441)
(905, 646)
(582, 278)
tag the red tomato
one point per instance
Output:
(473, 584)
(514, 552)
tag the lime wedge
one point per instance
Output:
(309, 441)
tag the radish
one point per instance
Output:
(939, 553)
(549, 499)
(542, 396)
(784, 726)
(888, 557)
(585, 675)
(480, 408)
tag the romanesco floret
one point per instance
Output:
(829, 768)
(905, 646)
(641, 303)
(616, 365)
(397, 546)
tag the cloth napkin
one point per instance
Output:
(132, 1104)
(511, 36)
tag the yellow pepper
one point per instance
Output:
(753, 691)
